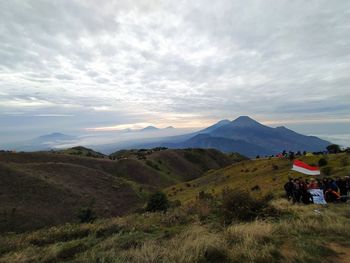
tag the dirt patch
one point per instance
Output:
(343, 253)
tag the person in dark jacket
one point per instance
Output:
(332, 191)
(296, 191)
(306, 197)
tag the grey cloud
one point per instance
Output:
(212, 60)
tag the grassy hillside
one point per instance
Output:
(258, 176)
(207, 228)
(294, 234)
(49, 188)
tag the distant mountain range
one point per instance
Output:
(243, 135)
(250, 138)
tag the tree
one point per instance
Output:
(157, 202)
(333, 148)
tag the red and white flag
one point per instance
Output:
(304, 168)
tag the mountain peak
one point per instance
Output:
(281, 128)
(150, 128)
(245, 121)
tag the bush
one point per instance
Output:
(240, 205)
(157, 202)
(86, 215)
(322, 162)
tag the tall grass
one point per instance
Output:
(299, 234)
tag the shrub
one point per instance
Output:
(322, 162)
(157, 202)
(86, 215)
(240, 205)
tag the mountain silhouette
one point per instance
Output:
(249, 137)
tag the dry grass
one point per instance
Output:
(193, 232)
(299, 235)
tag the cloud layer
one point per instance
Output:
(72, 65)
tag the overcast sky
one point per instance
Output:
(70, 66)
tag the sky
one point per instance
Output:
(83, 66)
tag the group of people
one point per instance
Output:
(298, 190)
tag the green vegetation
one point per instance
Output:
(157, 202)
(333, 148)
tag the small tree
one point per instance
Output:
(333, 148)
(157, 202)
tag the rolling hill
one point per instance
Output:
(48, 188)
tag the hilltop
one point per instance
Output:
(48, 188)
(82, 151)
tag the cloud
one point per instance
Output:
(108, 63)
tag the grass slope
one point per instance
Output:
(195, 232)
(48, 188)
(179, 235)
(268, 175)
